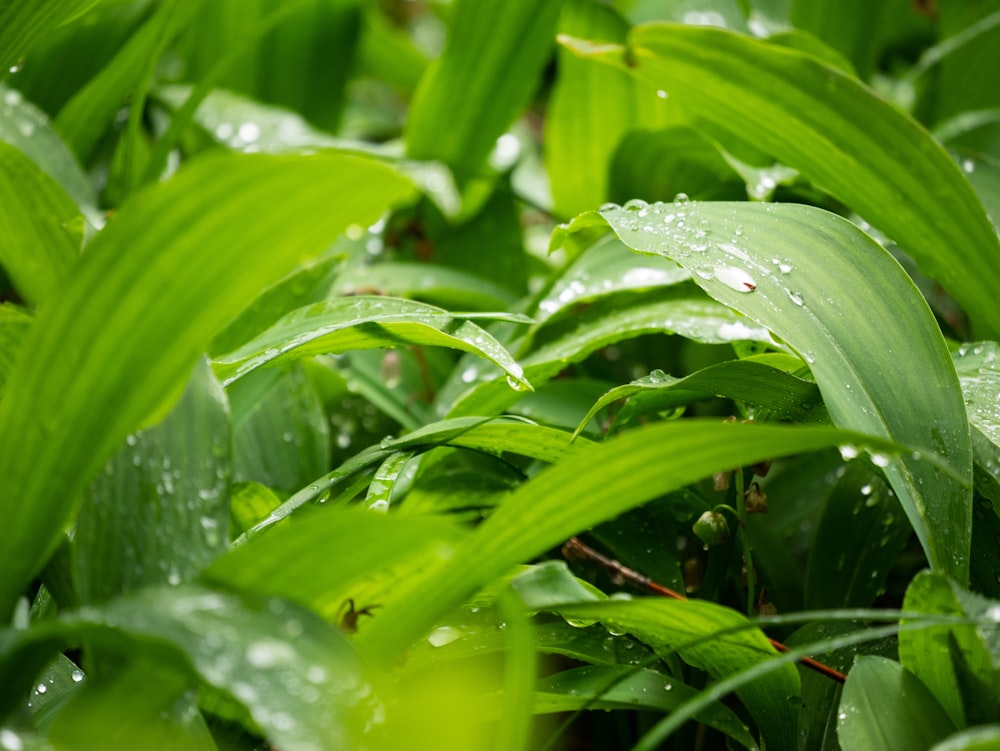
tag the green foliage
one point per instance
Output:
(340, 407)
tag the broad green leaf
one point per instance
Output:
(839, 135)
(159, 512)
(23, 24)
(249, 502)
(695, 630)
(272, 656)
(834, 295)
(115, 347)
(85, 118)
(676, 310)
(620, 687)
(489, 70)
(746, 380)
(931, 653)
(26, 127)
(142, 705)
(858, 538)
(54, 686)
(649, 462)
(383, 484)
(590, 110)
(281, 436)
(981, 738)
(40, 225)
(886, 708)
(365, 322)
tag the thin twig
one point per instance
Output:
(574, 548)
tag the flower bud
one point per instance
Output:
(712, 528)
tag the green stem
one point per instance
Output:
(741, 513)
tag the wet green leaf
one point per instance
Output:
(886, 708)
(364, 322)
(117, 344)
(270, 655)
(159, 511)
(818, 283)
(838, 134)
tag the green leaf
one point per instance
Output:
(85, 118)
(927, 654)
(622, 687)
(590, 110)
(832, 293)
(886, 708)
(680, 309)
(140, 308)
(489, 70)
(141, 705)
(858, 538)
(649, 462)
(26, 127)
(365, 322)
(250, 649)
(747, 380)
(697, 631)
(23, 24)
(281, 436)
(159, 512)
(978, 366)
(38, 222)
(838, 134)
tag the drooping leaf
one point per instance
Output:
(886, 708)
(365, 322)
(818, 283)
(838, 134)
(117, 344)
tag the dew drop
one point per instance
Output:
(470, 374)
(516, 384)
(661, 93)
(248, 132)
(682, 198)
(636, 204)
(880, 460)
(735, 278)
(848, 452)
(9, 740)
(76, 676)
(796, 297)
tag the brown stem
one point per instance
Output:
(574, 548)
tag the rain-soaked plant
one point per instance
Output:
(466, 374)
